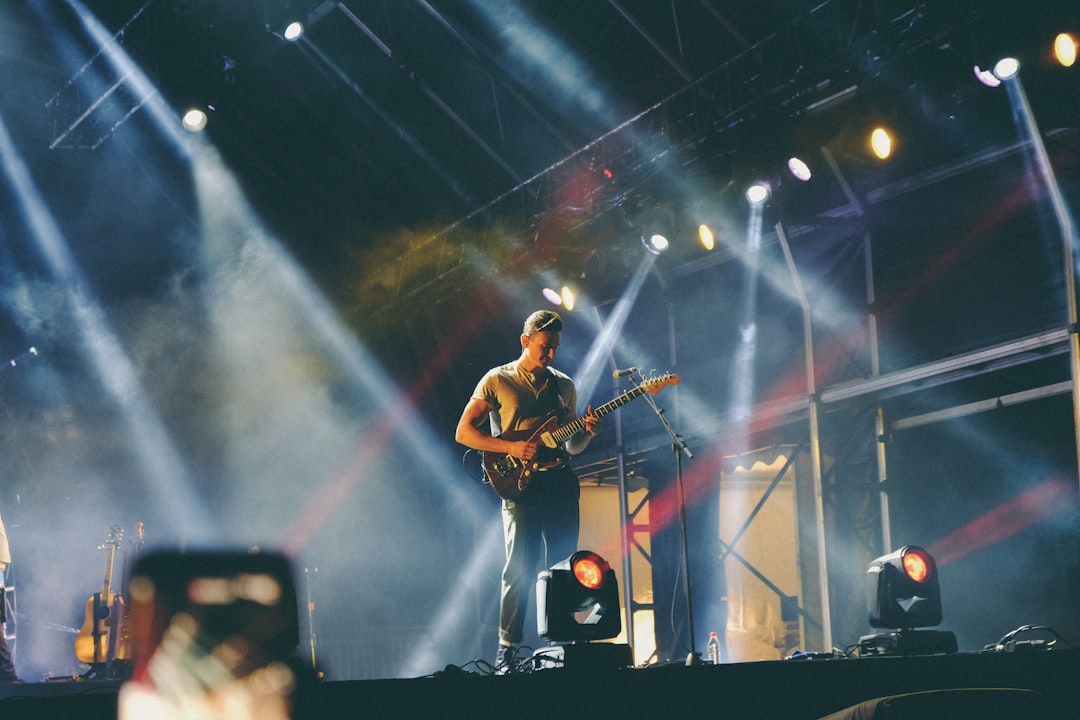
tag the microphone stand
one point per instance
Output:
(678, 446)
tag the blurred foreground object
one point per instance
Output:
(213, 635)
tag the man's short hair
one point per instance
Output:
(542, 321)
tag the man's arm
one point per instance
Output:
(469, 433)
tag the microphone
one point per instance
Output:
(620, 373)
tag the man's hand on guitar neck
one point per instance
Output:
(592, 423)
(580, 441)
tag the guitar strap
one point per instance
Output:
(553, 399)
(556, 404)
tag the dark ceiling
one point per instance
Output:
(540, 117)
(418, 155)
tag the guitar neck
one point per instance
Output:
(106, 584)
(570, 429)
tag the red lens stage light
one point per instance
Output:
(577, 600)
(589, 569)
(902, 590)
(917, 564)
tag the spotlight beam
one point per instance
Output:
(131, 73)
(1066, 226)
(154, 447)
(609, 331)
(451, 617)
(55, 99)
(1050, 498)
(233, 231)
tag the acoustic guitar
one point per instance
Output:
(510, 476)
(100, 639)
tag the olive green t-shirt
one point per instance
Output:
(521, 400)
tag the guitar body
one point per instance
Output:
(510, 476)
(99, 639)
(103, 636)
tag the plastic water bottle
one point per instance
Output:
(714, 649)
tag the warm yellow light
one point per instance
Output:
(706, 237)
(881, 143)
(568, 298)
(1065, 49)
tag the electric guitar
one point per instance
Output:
(97, 640)
(510, 476)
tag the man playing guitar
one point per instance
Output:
(540, 519)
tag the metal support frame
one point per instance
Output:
(875, 355)
(815, 442)
(1067, 229)
(624, 515)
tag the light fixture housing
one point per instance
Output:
(902, 592)
(655, 243)
(577, 600)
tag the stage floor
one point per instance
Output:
(792, 690)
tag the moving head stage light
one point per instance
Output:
(902, 592)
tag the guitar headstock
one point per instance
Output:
(656, 384)
(116, 536)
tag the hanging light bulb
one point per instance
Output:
(757, 193)
(568, 297)
(706, 237)
(881, 143)
(1065, 49)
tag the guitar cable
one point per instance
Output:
(483, 478)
